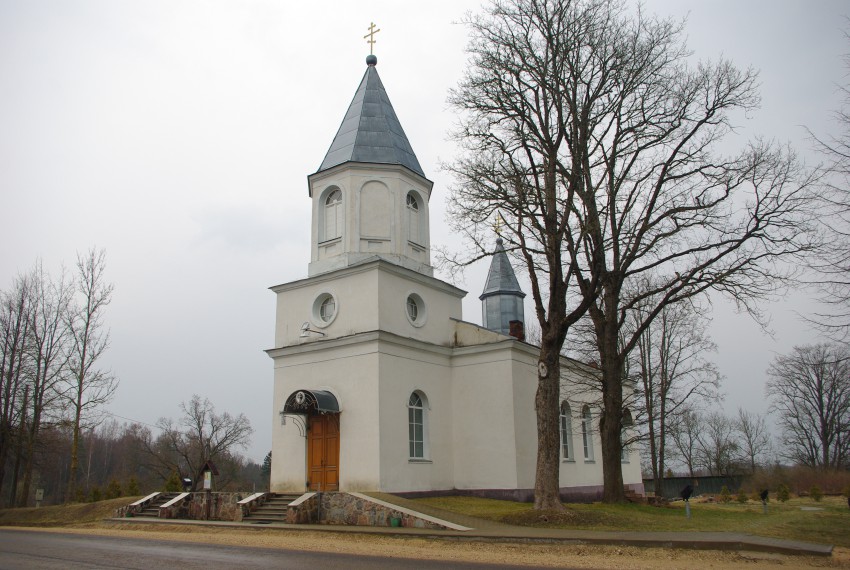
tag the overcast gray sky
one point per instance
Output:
(178, 136)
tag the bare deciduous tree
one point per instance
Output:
(584, 124)
(832, 259)
(753, 438)
(684, 432)
(49, 356)
(675, 376)
(809, 391)
(14, 328)
(199, 436)
(717, 445)
(89, 386)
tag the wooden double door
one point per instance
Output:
(323, 452)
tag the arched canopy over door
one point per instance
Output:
(322, 422)
(311, 402)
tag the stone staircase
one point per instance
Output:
(273, 510)
(152, 508)
(633, 497)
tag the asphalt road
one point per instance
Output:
(54, 550)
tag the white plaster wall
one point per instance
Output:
(350, 372)
(405, 369)
(441, 305)
(484, 428)
(631, 469)
(470, 334)
(356, 310)
(369, 297)
(289, 452)
(524, 368)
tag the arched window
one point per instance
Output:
(417, 406)
(566, 431)
(627, 424)
(587, 433)
(413, 222)
(333, 217)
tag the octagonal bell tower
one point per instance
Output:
(370, 195)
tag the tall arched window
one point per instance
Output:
(417, 407)
(566, 431)
(587, 433)
(413, 222)
(628, 423)
(333, 217)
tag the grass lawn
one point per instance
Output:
(783, 520)
(75, 514)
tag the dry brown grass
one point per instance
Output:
(73, 515)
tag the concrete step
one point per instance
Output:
(273, 510)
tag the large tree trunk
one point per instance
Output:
(547, 493)
(610, 430)
(612, 366)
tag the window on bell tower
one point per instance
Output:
(413, 219)
(333, 216)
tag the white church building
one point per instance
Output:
(379, 383)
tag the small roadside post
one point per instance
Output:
(208, 471)
(686, 495)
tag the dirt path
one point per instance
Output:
(577, 556)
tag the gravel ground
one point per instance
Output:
(576, 556)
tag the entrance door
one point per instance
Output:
(323, 452)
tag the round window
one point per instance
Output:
(412, 309)
(415, 310)
(325, 309)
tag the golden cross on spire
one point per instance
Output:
(371, 36)
(498, 224)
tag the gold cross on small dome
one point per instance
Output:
(371, 38)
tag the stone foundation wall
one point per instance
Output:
(222, 507)
(346, 509)
(305, 512)
(336, 509)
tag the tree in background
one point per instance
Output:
(266, 470)
(684, 432)
(585, 125)
(809, 391)
(753, 438)
(832, 259)
(717, 444)
(675, 376)
(199, 436)
(49, 357)
(14, 327)
(89, 387)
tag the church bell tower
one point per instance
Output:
(370, 195)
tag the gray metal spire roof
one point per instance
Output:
(501, 280)
(370, 131)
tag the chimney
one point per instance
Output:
(517, 330)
